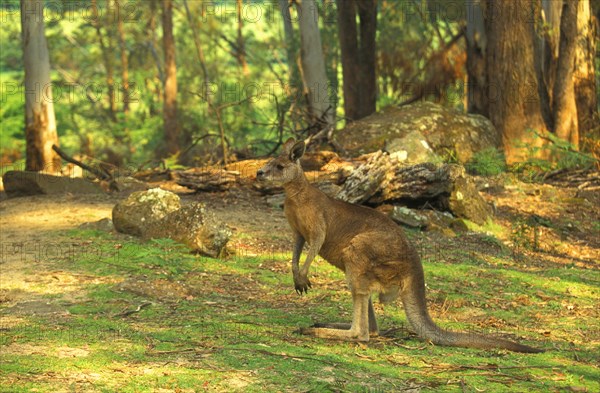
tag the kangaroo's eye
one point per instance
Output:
(279, 167)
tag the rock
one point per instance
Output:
(104, 224)
(193, 226)
(465, 201)
(142, 207)
(448, 132)
(408, 217)
(413, 147)
(22, 183)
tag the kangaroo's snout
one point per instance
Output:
(260, 174)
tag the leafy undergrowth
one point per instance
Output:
(156, 318)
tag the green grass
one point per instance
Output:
(233, 330)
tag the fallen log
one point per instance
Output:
(206, 179)
(386, 178)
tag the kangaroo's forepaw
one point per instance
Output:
(302, 283)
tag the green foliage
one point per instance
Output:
(487, 162)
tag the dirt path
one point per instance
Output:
(33, 233)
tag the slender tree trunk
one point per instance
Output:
(171, 126)
(565, 107)
(40, 122)
(124, 59)
(358, 47)
(584, 76)
(291, 47)
(513, 93)
(313, 65)
(477, 101)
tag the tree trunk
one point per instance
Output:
(313, 67)
(171, 126)
(584, 75)
(358, 47)
(291, 47)
(350, 66)
(513, 93)
(548, 55)
(40, 122)
(124, 59)
(565, 107)
(367, 13)
(477, 101)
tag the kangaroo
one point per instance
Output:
(369, 248)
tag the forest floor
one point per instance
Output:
(96, 311)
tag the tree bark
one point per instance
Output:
(358, 48)
(313, 67)
(171, 126)
(291, 47)
(350, 66)
(477, 100)
(584, 75)
(565, 107)
(40, 122)
(513, 90)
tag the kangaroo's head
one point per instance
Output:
(286, 167)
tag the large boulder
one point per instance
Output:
(133, 214)
(157, 213)
(193, 226)
(22, 183)
(423, 130)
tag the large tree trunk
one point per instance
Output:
(477, 101)
(513, 90)
(313, 66)
(584, 75)
(40, 123)
(547, 46)
(171, 126)
(358, 48)
(565, 107)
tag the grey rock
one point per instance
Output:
(22, 183)
(141, 208)
(449, 133)
(409, 217)
(193, 226)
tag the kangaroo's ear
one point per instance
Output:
(287, 146)
(297, 151)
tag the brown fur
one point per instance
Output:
(369, 247)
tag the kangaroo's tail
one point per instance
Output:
(415, 306)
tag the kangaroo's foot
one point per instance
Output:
(339, 332)
(373, 331)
